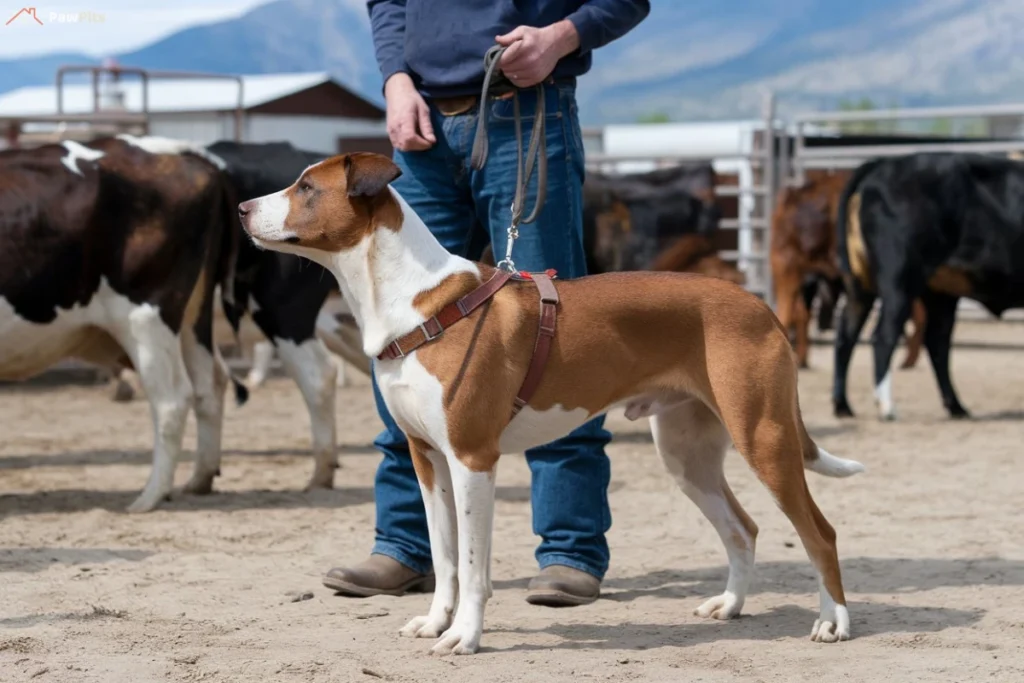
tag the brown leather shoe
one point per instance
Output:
(561, 586)
(378, 575)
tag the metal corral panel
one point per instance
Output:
(170, 95)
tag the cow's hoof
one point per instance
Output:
(843, 410)
(199, 485)
(959, 413)
(147, 502)
(321, 481)
(123, 391)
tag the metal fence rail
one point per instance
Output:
(754, 220)
(846, 156)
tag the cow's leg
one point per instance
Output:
(787, 298)
(938, 338)
(802, 322)
(309, 364)
(209, 376)
(893, 316)
(858, 307)
(156, 354)
(827, 294)
(918, 319)
(262, 355)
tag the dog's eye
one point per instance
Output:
(305, 187)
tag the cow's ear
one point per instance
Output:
(367, 174)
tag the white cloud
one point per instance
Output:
(115, 26)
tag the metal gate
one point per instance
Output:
(755, 188)
(823, 156)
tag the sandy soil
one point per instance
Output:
(930, 541)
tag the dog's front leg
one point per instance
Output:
(473, 483)
(439, 501)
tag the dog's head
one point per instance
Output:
(332, 207)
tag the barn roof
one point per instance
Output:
(168, 95)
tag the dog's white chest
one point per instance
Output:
(414, 397)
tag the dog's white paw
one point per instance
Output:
(832, 626)
(424, 627)
(458, 640)
(724, 606)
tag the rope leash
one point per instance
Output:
(536, 153)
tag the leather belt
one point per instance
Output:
(453, 106)
(435, 326)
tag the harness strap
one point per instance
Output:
(542, 347)
(449, 315)
(459, 309)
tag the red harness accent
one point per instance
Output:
(433, 327)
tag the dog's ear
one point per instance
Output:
(367, 174)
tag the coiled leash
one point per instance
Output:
(536, 153)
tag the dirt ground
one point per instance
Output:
(930, 541)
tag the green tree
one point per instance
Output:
(863, 104)
(654, 117)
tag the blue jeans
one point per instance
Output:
(466, 209)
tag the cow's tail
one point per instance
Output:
(233, 301)
(842, 215)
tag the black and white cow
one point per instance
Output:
(111, 252)
(937, 227)
(284, 294)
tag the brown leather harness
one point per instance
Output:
(433, 327)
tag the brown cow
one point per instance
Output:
(804, 263)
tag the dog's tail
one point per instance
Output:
(817, 459)
(831, 466)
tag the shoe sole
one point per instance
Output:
(555, 598)
(421, 585)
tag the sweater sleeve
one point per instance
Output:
(387, 23)
(599, 22)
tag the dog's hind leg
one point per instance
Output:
(769, 432)
(473, 486)
(692, 441)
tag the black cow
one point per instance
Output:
(935, 226)
(110, 252)
(284, 293)
(630, 220)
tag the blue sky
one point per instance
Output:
(125, 25)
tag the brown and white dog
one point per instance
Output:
(706, 361)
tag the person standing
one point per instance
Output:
(430, 53)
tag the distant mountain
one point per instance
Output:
(688, 60)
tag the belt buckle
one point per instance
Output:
(453, 106)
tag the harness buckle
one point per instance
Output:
(426, 332)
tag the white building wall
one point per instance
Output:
(312, 133)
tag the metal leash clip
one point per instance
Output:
(507, 263)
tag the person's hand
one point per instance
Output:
(533, 52)
(408, 117)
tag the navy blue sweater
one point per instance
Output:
(441, 43)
